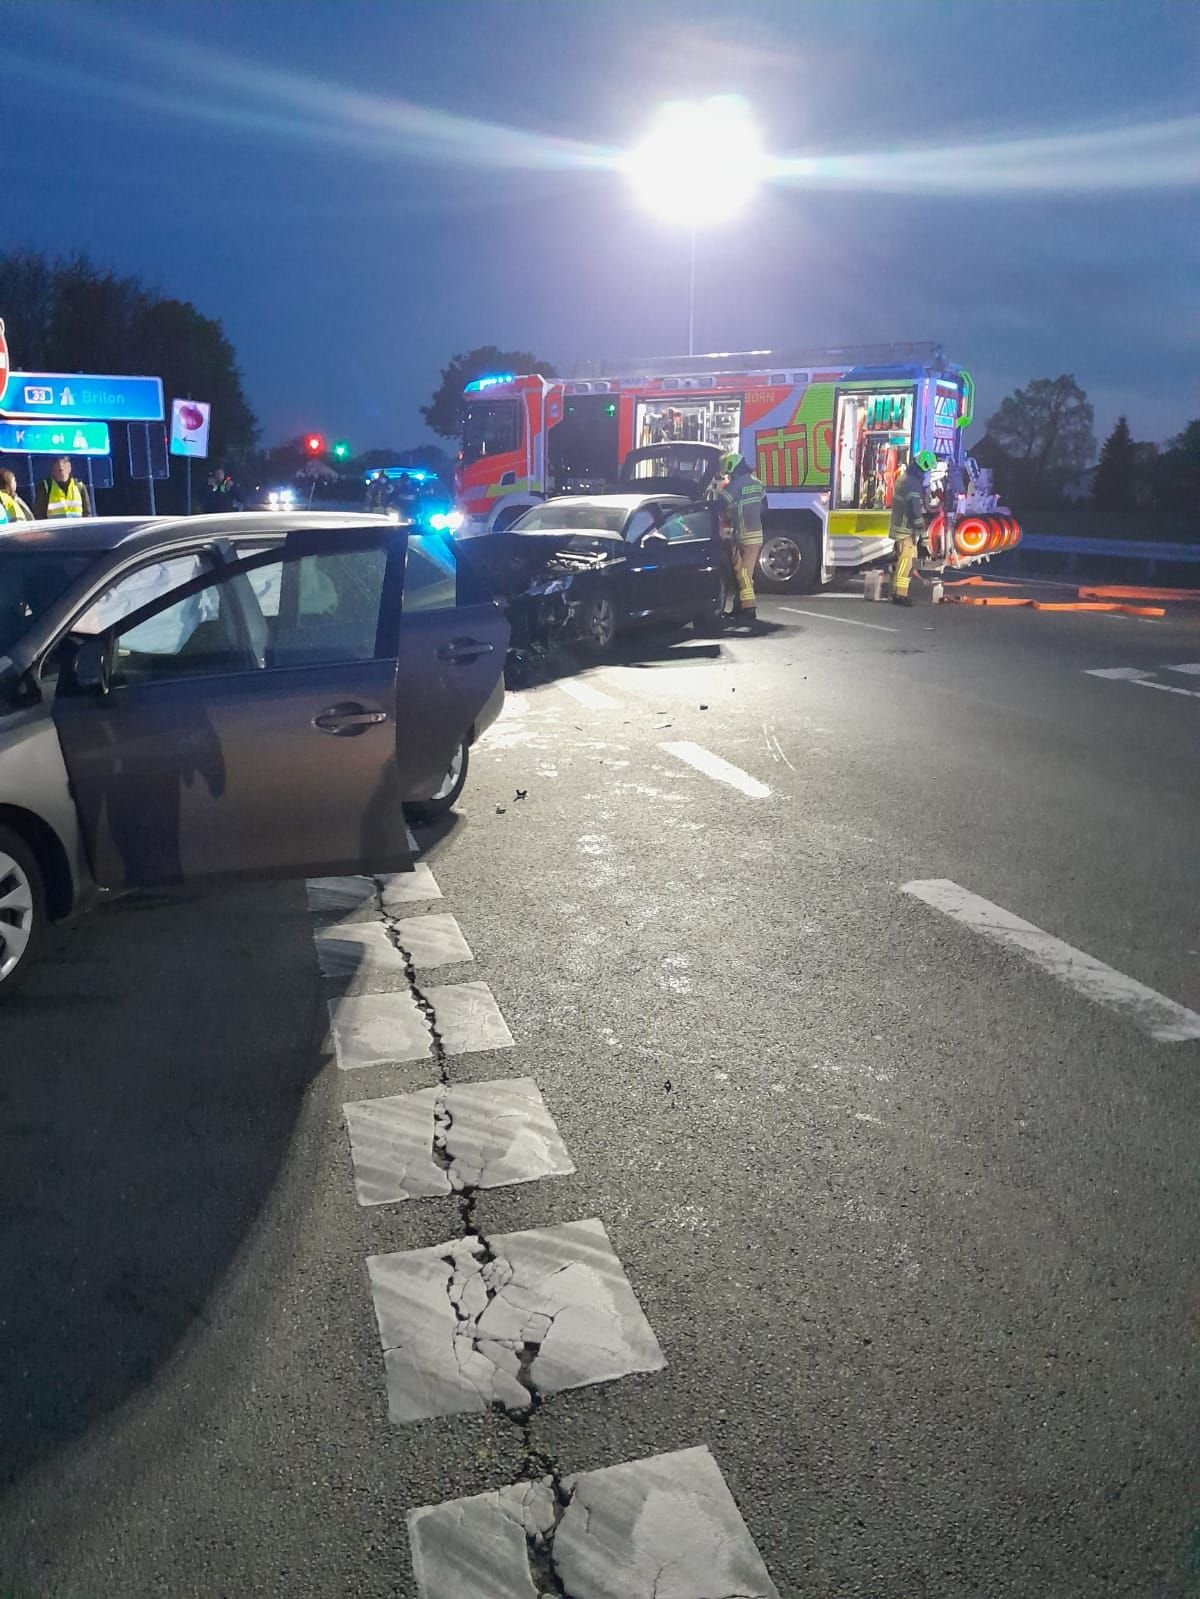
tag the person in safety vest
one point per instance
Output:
(12, 506)
(908, 522)
(61, 494)
(740, 500)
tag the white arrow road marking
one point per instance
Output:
(1162, 1018)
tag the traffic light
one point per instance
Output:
(314, 444)
(341, 450)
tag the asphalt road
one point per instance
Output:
(911, 1216)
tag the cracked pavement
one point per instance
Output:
(913, 1227)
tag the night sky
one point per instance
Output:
(358, 190)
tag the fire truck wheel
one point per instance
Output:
(790, 563)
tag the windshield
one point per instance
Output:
(564, 515)
(491, 427)
(30, 582)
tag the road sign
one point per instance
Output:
(189, 427)
(54, 438)
(148, 451)
(3, 357)
(82, 397)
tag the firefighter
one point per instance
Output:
(740, 500)
(908, 522)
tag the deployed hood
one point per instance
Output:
(678, 468)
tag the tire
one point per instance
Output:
(790, 562)
(598, 624)
(709, 623)
(444, 801)
(22, 910)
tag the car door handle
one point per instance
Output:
(465, 649)
(347, 719)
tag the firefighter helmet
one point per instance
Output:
(925, 459)
(730, 462)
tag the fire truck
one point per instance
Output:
(828, 434)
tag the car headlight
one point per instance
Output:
(556, 585)
(446, 521)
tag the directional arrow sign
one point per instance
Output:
(54, 438)
(82, 397)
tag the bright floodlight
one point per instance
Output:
(700, 161)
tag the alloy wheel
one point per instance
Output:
(602, 622)
(452, 776)
(781, 559)
(16, 914)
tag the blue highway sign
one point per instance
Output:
(82, 397)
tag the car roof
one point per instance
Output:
(104, 534)
(617, 502)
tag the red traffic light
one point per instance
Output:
(314, 444)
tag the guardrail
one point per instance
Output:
(1068, 551)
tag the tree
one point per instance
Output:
(1113, 487)
(1045, 430)
(443, 414)
(1177, 472)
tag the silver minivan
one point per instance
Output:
(220, 697)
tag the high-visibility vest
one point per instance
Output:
(742, 497)
(5, 513)
(65, 499)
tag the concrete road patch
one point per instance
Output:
(474, 1322)
(431, 940)
(442, 1140)
(359, 950)
(377, 1029)
(468, 1018)
(666, 1527)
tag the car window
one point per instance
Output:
(321, 609)
(430, 574)
(196, 635)
(557, 516)
(640, 522)
(137, 589)
(688, 525)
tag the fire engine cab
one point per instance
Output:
(828, 435)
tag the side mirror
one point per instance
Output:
(91, 670)
(653, 536)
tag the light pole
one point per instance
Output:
(699, 164)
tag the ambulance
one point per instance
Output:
(828, 434)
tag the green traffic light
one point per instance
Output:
(341, 450)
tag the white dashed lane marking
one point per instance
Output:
(587, 695)
(715, 767)
(467, 1324)
(1143, 679)
(1162, 1018)
(876, 627)
(442, 1140)
(665, 1525)
(1190, 668)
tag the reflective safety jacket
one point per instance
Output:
(64, 499)
(908, 506)
(741, 503)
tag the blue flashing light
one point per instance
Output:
(488, 383)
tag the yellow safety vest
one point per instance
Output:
(65, 499)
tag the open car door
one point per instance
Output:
(244, 724)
